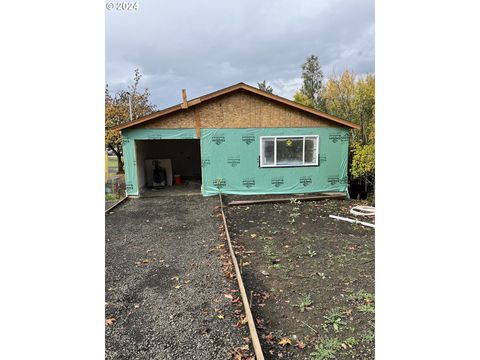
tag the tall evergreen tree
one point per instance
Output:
(263, 86)
(310, 93)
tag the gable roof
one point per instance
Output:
(230, 89)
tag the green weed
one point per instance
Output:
(334, 317)
(268, 250)
(368, 336)
(304, 301)
(311, 253)
(326, 349)
(366, 308)
(361, 295)
(351, 342)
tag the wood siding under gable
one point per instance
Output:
(239, 110)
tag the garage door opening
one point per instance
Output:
(167, 166)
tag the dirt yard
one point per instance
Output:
(168, 284)
(312, 278)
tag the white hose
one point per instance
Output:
(352, 221)
(363, 210)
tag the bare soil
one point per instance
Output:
(294, 251)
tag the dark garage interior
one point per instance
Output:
(175, 158)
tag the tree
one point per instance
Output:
(301, 98)
(263, 86)
(310, 92)
(353, 98)
(117, 112)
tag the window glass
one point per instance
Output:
(268, 151)
(289, 151)
(310, 150)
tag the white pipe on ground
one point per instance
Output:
(352, 221)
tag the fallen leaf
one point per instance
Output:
(228, 296)
(110, 321)
(253, 236)
(300, 344)
(285, 341)
(270, 339)
(178, 286)
(220, 317)
(260, 324)
(146, 261)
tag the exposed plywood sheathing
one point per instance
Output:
(178, 120)
(238, 110)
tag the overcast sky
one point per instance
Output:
(206, 45)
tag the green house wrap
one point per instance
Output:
(231, 162)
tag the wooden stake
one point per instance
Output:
(251, 298)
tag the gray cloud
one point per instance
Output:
(206, 45)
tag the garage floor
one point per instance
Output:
(188, 187)
(164, 282)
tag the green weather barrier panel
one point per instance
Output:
(230, 160)
(231, 163)
(128, 138)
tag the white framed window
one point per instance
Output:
(280, 151)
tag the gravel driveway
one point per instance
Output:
(164, 282)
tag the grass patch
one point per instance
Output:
(110, 197)
(112, 162)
